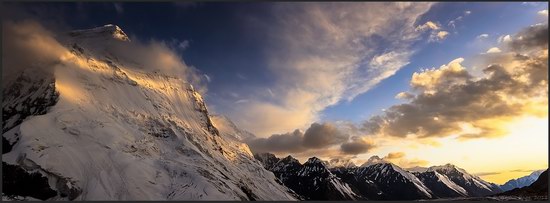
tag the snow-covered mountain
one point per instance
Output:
(537, 190)
(378, 179)
(470, 185)
(440, 185)
(393, 182)
(99, 127)
(312, 180)
(521, 182)
(340, 163)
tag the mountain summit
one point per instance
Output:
(110, 131)
(106, 31)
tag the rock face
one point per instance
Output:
(103, 128)
(521, 182)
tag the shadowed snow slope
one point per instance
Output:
(121, 133)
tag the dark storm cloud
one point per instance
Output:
(289, 142)
(317, 136)
(514, 84)
(323, 135)
(535, 36)
(358, 145)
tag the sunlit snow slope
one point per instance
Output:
(118, 132)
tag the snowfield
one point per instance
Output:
(121, 133)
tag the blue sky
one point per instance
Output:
(233, 44)
(486, 18)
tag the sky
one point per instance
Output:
(417, 84)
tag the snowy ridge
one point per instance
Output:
(521, 182)
(335, 163)
(474, 185)
(118, 133)
(108, 31)
(413, 179)
(453, 186)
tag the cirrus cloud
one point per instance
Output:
(325, 53)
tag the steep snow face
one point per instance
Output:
(521, 182)
(32, 93)
(117, 133)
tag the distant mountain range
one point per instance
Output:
(538, 190)
(374, 180)
(521, 182)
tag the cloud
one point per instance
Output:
(429, 25)
(481, 174)
(441, 35)
(287, 143)
(533, 37)
(404, 95)
(207, 78)
(395, 155)
(324, 53)
(513, 85)
(318, 139)
(493, 50)
(118, 7)
(452, 23)
(323, 135)
(543, 13)
(358, 145)
(438, 36)
(28, 38)
(482, 36)
(184, 44)
(397, 158)
(504, 39)
(158, 56)
(242, 101)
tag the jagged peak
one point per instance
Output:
(265, 155)
(109, 30)
(446, 168)
(315, 160)
(289, 159)
(374, 160)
